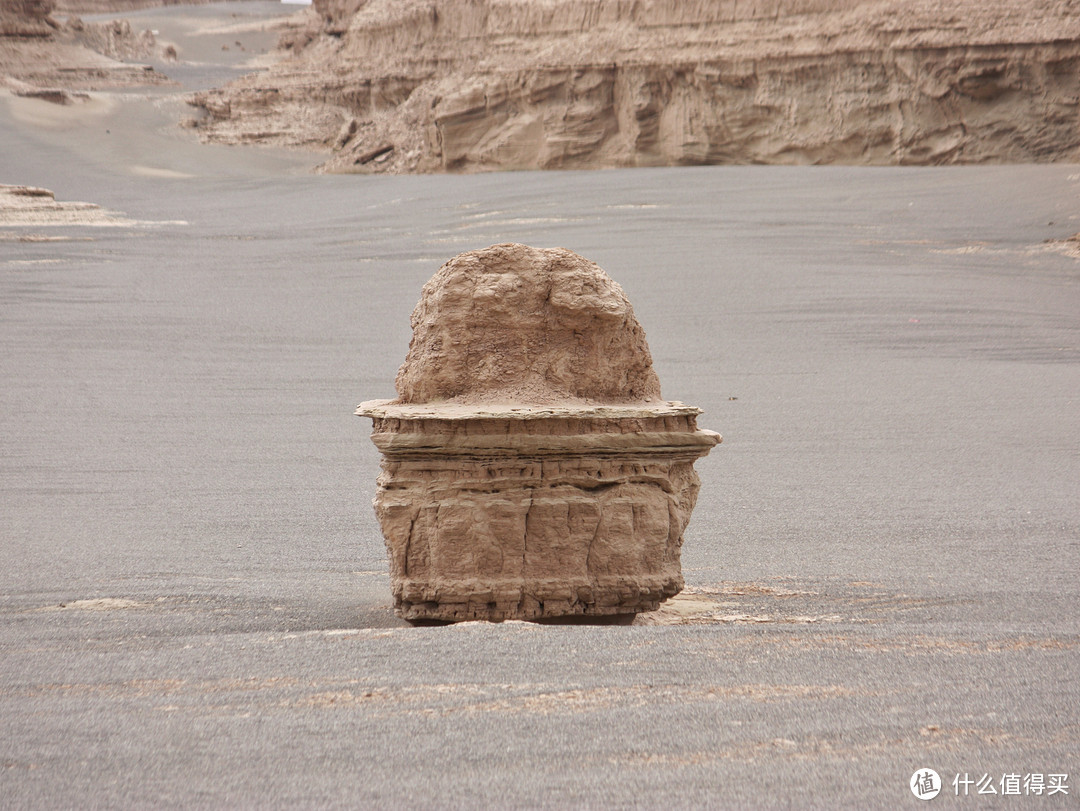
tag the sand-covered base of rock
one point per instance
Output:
(28, 206)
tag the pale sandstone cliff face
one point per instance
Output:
(112, 6)
(26, 18)
(42, 57)
(442, 85)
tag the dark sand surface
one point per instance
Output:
(194, 605)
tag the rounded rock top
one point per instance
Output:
(536, 326)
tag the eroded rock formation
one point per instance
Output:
(530, 469)
(26, 18)
(44, 58)
(23, 206)
(512, 324)
(112, 6)
(442, 85)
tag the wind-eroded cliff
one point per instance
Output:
(26, 18)
(42, 57)
(446, 85)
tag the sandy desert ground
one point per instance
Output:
(194, 601)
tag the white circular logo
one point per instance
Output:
(925, 784)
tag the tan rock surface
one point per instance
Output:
(529, 468)
(45, 58)
(440, 85)
(112, 6)
(29, 206)
(24, 209)
(514, 324)
(26, 18)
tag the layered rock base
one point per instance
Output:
(534, 512)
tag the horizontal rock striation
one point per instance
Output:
(113, 6)
(440, 85)
(535, 512)
(26, 18)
